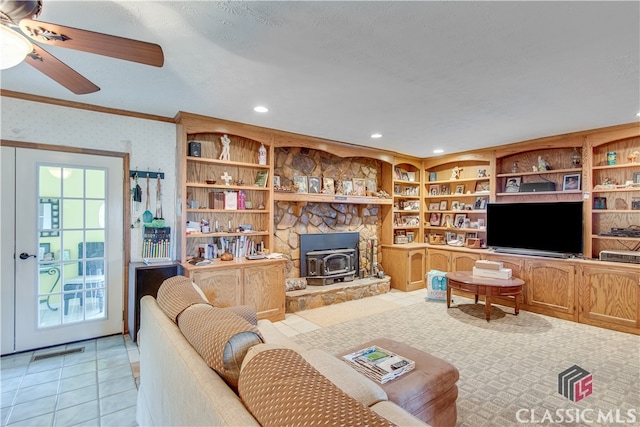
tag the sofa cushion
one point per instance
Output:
(176, 294)
(221, 337)
(280, 388)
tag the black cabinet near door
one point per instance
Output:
(145, 280)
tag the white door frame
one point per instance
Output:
(8, 267)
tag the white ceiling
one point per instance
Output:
(450, 75)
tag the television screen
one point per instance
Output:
(537, 228)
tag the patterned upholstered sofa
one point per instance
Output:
(277, 383)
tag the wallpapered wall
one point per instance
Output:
(151, 145)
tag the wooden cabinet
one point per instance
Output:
(406, 265)
(610, 297)
(463, 261)
(615, 188)
(456, 195)
(407, 202)
(207, 194)
(259, 283)
(523, 167)
(438, 259)
(550, 288)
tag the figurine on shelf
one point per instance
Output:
(634, 157)
(262, 155)
(226, 143)
(543, 165)
(455, 172)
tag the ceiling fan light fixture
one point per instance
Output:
(14, 47)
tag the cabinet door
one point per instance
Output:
(264, 289)
(610, 298)
(416, 269)
(551, 288)
(462, 261)
(438, 259)
(221, 286)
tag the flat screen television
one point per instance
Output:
(537, 228)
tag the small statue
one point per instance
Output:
(226, 142)
(455, 173)
(534, 168)
(633, 157)
(543, 165)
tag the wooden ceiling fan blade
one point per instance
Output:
(92, 42)
(52, 67)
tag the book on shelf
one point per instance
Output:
(261, 178)
(379, 364)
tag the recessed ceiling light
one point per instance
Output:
(438, 151)
(260, 109)
(638, 114)
(376, 135)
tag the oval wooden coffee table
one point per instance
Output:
(487, 286)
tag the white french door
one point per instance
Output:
(62, 260)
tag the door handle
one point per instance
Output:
(25, 255)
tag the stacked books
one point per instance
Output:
(492, 269)
(379, 364)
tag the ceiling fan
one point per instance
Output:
(16, 48)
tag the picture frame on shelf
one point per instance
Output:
(328, 186)
(446, 221)
(571, 182)
(459, 189)
(434, 190)
(455, 205)
(636, 177)
(300, 182)
(482, 173)
(434, 206)
(314, 184)
(450, 236)
(480, 223)
(397, 190)
(370, 185)
(480, 203)
(405, 176)
(458, 221)
(397, 174)
(411, 176)
(482, 187)
(359, 188)
(443, 205)
(411, 221)
(347, 187)
(410, 236)
(460, 237)
(43, 250)
(276, 180)
(599, 203)
(445, 190)
(513, 184)
(411, 205)
(433, 176)
(435, 218)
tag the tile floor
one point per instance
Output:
(95, 387)
(98, 386)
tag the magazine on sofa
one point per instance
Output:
(379, 364)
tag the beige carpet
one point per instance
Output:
(509, 367)
(337, 313)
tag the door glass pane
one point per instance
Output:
(72, 213)
(73, 182)
(50, 181)
(96, 183)
(71, 285)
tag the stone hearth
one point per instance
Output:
(319, 296)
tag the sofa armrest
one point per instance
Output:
(272, 335)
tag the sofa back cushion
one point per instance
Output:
(221, 337)
(176, 294)
(279, 387)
